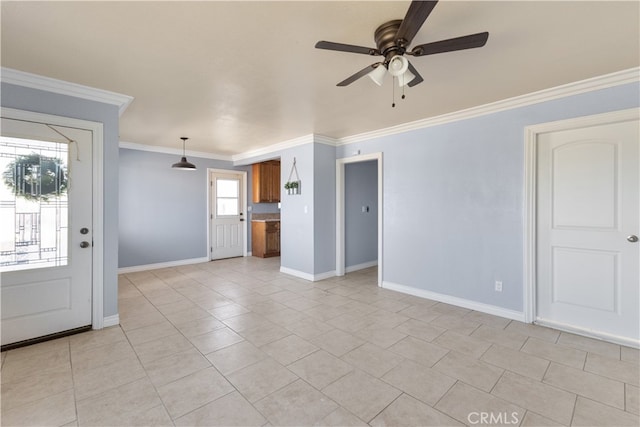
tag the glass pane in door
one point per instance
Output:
(227, 197)
(33, 204)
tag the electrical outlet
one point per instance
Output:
(498, 286)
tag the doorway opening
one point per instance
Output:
(356, 215)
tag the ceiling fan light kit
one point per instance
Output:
(393, 39)
(398, 65)
(405, 78)
(378, 73)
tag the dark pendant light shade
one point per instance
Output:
(183, 164)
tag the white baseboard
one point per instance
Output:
(136, 268)
(325, 275)
(616, 339)
(460, 302)
(307, 276)
(352, 268)
(111, 321)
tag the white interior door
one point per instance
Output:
(46, 229)
(588, 211)
(227, 216)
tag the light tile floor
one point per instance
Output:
(235, 342)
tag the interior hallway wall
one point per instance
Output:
(361, 213)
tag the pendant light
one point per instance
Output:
(183, 164)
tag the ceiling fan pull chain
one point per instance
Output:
(403, 77)
(393, 92)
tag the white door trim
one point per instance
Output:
(340, 232)
(97, 317)
(530, 194)
(244, 207)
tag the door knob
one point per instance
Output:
(633, 238)
(84, 244)
(84, 230)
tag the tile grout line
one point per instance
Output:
(73, 383)
(145, 369)
(211, 366)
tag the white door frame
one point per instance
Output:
(340, 231)
(97, 297)
(244, 207)
(530, 193)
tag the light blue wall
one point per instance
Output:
(360, 228)
(324, 194)
(39, 101)
(163, 211)
(297, 212)
(454, 194)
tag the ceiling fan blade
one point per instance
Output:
(341, 47)
(416, 15)
(366, 70)
(459, 43)
(418, 79)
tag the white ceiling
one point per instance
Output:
(238, 76)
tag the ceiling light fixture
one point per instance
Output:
(183, 164)
(405, 78)
(398, 65)
(378, 73)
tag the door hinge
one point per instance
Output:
(211, 249)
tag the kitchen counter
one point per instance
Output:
(265, 217)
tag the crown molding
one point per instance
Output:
(34, 81)
(21, 78)
(173, 151)
(237, 158)
(302, 140)
(327, 140)
(271, 149)
(631, 75)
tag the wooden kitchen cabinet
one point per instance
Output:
(266, 182)
(265, 238)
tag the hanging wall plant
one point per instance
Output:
(35, 177)
(293, 187)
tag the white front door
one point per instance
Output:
(226, 214)
(46, 229)
(588, 212)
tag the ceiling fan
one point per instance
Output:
(393, 39)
